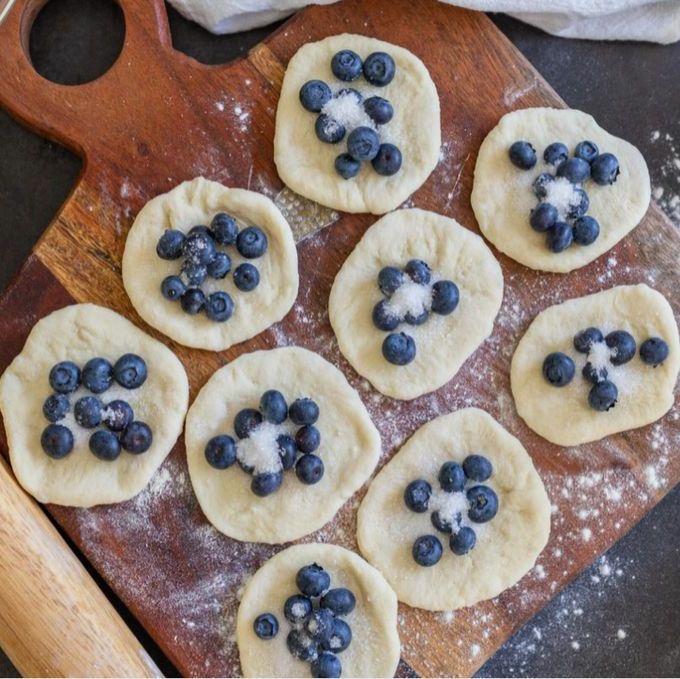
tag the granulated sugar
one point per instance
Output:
(347, 110)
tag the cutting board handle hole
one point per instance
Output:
(71, 42)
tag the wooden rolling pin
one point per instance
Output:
(54, 619)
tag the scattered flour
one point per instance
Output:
(667, 196)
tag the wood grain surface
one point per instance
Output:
(156, 118)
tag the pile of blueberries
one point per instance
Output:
(298, 451)
(202, 259)
(318, 631)
(586, 163)
(400, 348)
(482, 503)
(363, 143)
(122, 430)
(559, 369)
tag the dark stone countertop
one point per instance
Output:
(621, 616)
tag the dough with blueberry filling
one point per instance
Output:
(79, 333)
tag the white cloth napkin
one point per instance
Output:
(649, 20)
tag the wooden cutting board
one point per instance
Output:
(156, 118)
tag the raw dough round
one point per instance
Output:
(562, 414)
(350, 446)
(196, 202)
(507, 546)
(374, 651)
(306, 164)
(78, 333)
(443, 343)
(502, 197)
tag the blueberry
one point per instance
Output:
(576, 170)
(219, 266)
(173, 288)
(399, 348)
(586, 338)
(309, 469)
(301, 646)
(347, 166)
(388, 161)
(443, 525)
(341, 637)
(543, 217)
(303, 411)
(193, 273)
(312, 580)
(483, 504)
(558, 369)
(117, 415)
(298, 609)
(199, 248)
(417, 496)
(314, 95)
(273, 406)
(88, 412)
(363, 143)
(579, 209)
(246, 421)
(379, 110)
(55, 407)
(105, 445)
(477, 468)
(220, 451)
(540, 184)
(287, 450)
(593, 374)
(382, 318)
(320, 625)
(379, 69)
(170, 244)
(266, 626)
(193, 301)
(418, 271)
(65, 377)
(445, 297)
(349, 90)
(307, 438)
(463, 541)
(130, 371)
(97, 375)
(623, 346)
(328, 130)
(202, 230)
(137, 438)
(57, 441)
(246, 277)
(346, 65)
(412, 319)
(326, 665)
(653, 351)
(451, 477)
(224, 228)
(560, 237)
(522, 155)
(267, 483)
(427, 550)
(603, 396)
(340, 601)
(605, 169)
(390, 279)
(587, 150)
(556, 153)
(219, 307)
(251, 242)
(586, 230)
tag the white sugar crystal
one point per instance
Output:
(409, 298)
(260, 449)
(298, 610)
(347, 110)
(450, 506)
(599, 356)
(562, 194)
